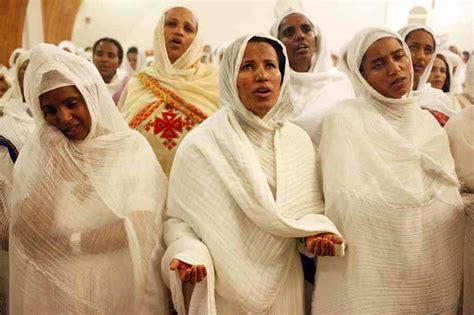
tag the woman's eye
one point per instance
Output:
(189, 29)
(71, 104)
(271, 65)
(171, 24)
(247, 66)
(288, 32)
(306, 29)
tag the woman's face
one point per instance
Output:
(259, 78)
(297, 34)
(180, 30)
(66, 109)
(21, 76)
(106, 59)
(386, 67)
(132, 59)
(438, 74)
(422, 47)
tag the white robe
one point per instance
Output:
(391, 189)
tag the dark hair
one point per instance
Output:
(466, 54)
(109, 40)
(447, 83)
(278, 49)
(132, 50)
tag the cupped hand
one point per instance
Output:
(188, 273)
(323, 244)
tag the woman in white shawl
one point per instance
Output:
(243, 189)
(16, 126)
(86, 201)
(423, 48)
(175, 94)
(442, 78)
(460, 129)
(315, 84)
(466, 99)
(391, 189)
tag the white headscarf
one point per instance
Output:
(388, 181)
(427, 96)
(110, 175)
(314, 92)
(127, 68)
(65, 44)
(192, 80)
(228, 193)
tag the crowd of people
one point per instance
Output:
(263, 180)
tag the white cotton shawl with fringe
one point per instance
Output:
(222, 212)
(62, 187)
(314, 92)
(391, 189)
(427, 96)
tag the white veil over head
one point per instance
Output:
(85, 214)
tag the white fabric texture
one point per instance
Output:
(192, 80)
(66, 44)
(427, 96)
(314, 92)
(108, 187)
(242, 189)
(391, 189)
(460, 129)
(467, 97)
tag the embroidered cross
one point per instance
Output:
(169, 126)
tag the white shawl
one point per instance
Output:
(314, 92)
(390, 187)
(112, 171)
(427, 96)
(221, 210)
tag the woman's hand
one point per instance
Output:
(323, 244)
(188, 273)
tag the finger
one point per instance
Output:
(310, 245)
(318, 247)
(337, 239)
(324, 248)
(204, 271)
(174, 264)
(184, 274)
(332, 249)
(193, 275)
(200, 274)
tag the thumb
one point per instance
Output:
(174, 264)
